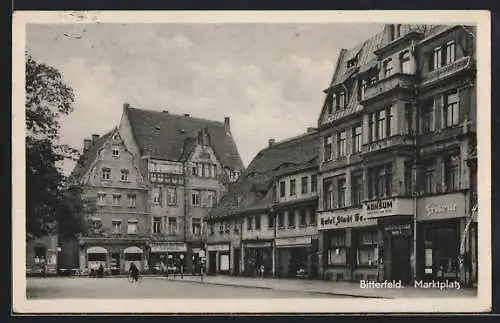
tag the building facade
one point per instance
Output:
(42, 254)
(396, 188)
(259, 230)
(118, 231)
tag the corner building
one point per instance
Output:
(397, 185)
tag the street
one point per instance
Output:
(149, 287)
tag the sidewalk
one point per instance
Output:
(348, 289)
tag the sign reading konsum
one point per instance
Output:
(388, 207)
(218, 247)
(441, 207)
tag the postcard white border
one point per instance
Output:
(480, 303)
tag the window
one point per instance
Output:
(211, 198)
(341, 145)
(131, 200)
(314, 183)
(341, 194)
(132, 227)
(427, 116)
(124, 175)
(329, 103)
(291, 219)
(380, 181)
(257, 222)
(450, 52)
(405, 63)
(270, 221)
(357, 189)
(408, 119)
(367, 248)
(172, 196)
(227, 227)
(304, 184)
(106, 173)
(116, 151)
(429, 168)
(221, 228)
(356, 139)
(200, 169)
(292, 187)
(281, 219)
(328, 147)
(380, 124)
(302, 218)
(451, 108)
(328, 194)
(236, 227)
(334, 102)
(116, 199)
(337, 253)
(342, 100)
(172, 225)
(101, 199)
(117, 226)
(249, 223)
(156, 224)
(196, 226)
(194, 169)
(195, 198)
(282, 189)
(398, 31)
(388, 67)
(451, 166)
(437, 59)
(312, 218)
(156, 195)
(408, 177)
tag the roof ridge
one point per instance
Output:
(177, 115)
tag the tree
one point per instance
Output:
(49, 200)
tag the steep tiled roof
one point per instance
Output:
(87, 157)
(253, 190)
(164, 135)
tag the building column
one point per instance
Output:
(321, 267)
(348, 241)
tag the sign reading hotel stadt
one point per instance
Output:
(344, 218)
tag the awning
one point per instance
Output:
(132, 250)
(97, 250)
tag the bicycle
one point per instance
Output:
(131, 278)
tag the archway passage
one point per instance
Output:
(96, 256)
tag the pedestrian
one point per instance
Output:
(134, 271)
(262, 269)
(101, 271)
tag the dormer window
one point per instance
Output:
(342, 100)
(116, 151)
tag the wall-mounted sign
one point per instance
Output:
(343, 219)
(441, 207)
(379, 207)
(399, 229)
(293, 241)
(218, 247)
(258, 244)
(169, 248)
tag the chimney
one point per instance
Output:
(165, 111)
(227, 124)
(186, 115)
(126, 105)
(310, 129)
(94, 138)
(271, 142)
(86, 144)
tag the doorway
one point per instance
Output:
(236, 262)
(212, 262)
(400, 254)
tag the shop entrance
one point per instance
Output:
(400, 254)
(236, 261)
(212, 262)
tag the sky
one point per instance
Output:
(268, 78)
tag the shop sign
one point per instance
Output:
(381, 207)
(258, 244)
(342, 219)
(399, 229)
(441, 207)
(293, 241)
(169, 248)
(218, 247)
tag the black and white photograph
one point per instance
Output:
(251, 162)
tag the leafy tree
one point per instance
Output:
(50, 201)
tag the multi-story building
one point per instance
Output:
(249, 231)
(154, 178)
(117, 233)
(188, 163)
(396, 191)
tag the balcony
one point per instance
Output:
(395, 82)
(462, 64)
(399, 141)
(341, 114)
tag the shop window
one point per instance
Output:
(441, 251)
(337, 252)
(367, 248)
(224, 262)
